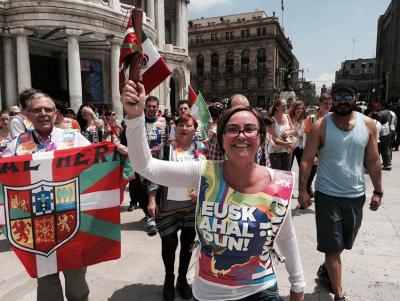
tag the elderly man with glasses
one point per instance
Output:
(344, 140)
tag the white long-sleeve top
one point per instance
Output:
(188, 174)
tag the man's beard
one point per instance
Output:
(343, 109)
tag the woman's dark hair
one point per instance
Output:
(82, 122)
(269, 121)
(228, 114)
(274, 107)
(186, 118)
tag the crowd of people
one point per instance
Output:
(233, 189)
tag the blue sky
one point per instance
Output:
(321, 31)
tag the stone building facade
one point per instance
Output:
(363, 71)
(388, 53)
(70, 48)
(244, 53)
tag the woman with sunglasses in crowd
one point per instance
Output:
(243, 209)
(92, 127)
(297, 115)
(114, 129)
(281, 154)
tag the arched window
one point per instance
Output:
(245, 62)
(261, 60)
(230, 61)
(200, 65)
(214, 64)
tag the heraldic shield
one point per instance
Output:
(43, 216)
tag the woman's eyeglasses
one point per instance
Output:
(233, 132)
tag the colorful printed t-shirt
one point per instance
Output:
(237, 233)
(155, 134)
(30, 142)
(178, 198)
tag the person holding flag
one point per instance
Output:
(41, 111)
(243, 209)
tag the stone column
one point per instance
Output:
(115, 95)
(150, 10)
(116, 6)
(10, 71)
(179, 25)
(185, 26)
(160, 24)
(74, 68)
(23, 62)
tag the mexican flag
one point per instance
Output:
(192, 95)
(61, 209)
(154, 69)
(200, 111)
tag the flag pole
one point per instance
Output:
(136, 58)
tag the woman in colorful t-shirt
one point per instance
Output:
(242, 210)
(176, 208)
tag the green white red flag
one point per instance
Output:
(154, 70)
(192, 96)
(200, 111)
(61, 209)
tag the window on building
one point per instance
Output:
(261, 101)
(245, 62)
(229, 84)
(247, 33)
(363, 65)
(371, 65)
(230, 61)
(261, 60)
(259, 30)
(200, 65)
(232, 35)
(261, 82)
(243, 33)
(214, 85)
(214, 64)
(214, 37)
(264, 30)
(245, 83)
(200, 85)
(352, 66)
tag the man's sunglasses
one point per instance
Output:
(340, 97)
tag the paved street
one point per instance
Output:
(371, 269)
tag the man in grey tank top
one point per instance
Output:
(344, 140)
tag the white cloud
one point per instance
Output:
(206, 4)
(324, 79)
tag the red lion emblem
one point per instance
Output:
(22, 230)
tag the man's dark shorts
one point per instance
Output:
(338, 221)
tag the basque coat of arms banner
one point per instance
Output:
(61, 209)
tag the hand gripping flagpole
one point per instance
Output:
(136, 58)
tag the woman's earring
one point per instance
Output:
(226, 157)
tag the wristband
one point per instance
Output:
(378, 193)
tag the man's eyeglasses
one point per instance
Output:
(284, 106)
(340, 97)
(13, 113)
(233, 132)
